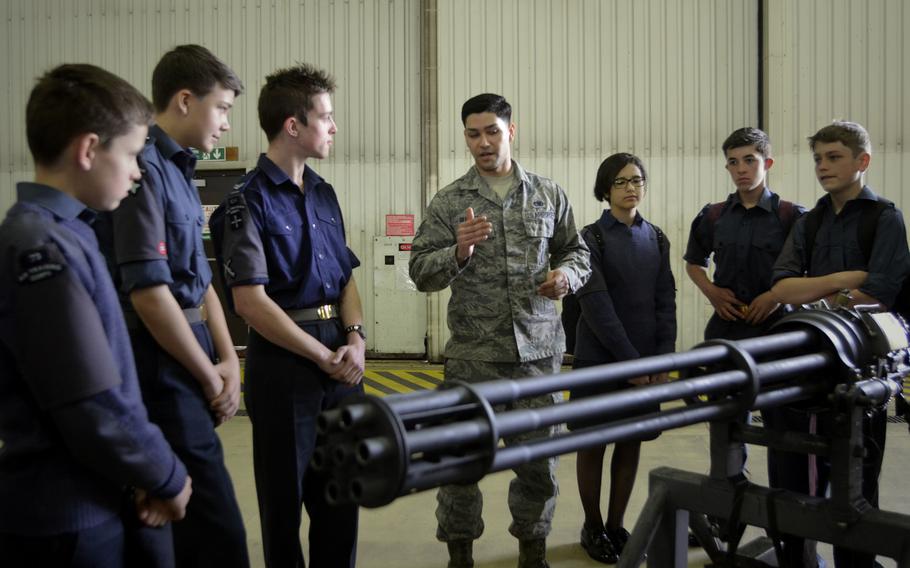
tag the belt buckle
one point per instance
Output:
(324, 312)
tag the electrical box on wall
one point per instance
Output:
(400, 310)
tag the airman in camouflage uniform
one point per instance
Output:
(505, 241)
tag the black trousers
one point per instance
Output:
(212, 533)
(284, 394)
(101, 546)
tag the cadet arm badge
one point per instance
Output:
(36, 265)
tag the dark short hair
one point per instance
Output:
(608, 171)
(190, 67)
(850, 134)
(748, 136)
(290, 92)
(75, 99)
(487, 102)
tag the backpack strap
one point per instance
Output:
(813, 222)
(715, 210)
(662, 243)
(868, 223)
(598, 234)
(786, 213)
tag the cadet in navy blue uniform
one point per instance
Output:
(745, 234)
(281, 239)
(628, 310)
(73, 431)
(188, 371)
(837, 268)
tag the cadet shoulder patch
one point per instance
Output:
(234, 212)
(36, 265)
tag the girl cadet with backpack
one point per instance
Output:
(628, 310)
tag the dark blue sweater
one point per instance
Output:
(628, 307)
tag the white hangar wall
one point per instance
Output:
(665, 79)
(370, 46)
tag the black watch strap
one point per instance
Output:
(356, 328)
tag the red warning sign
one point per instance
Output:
(399, 225)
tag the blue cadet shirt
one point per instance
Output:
(270, 232)
(155, 236)
(745, 244)
(628, 306)
(73, 428)
(837, 248)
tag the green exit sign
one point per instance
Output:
(218, 154)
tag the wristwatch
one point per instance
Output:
(844, 297)
(357, 328)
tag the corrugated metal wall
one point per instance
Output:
(665, 79)
(587, 78)
(839, 59)
(371, 46)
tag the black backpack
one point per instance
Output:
(571, 309)
(865, 233)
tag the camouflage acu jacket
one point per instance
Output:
(495, 313)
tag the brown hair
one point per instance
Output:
(289, 92)
(190, 67)
(75, 99)
(850, 134)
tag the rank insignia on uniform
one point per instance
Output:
(235, 217)
(228, 271)
(36, 265)
(162, 248)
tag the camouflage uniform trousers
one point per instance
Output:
(533, 491)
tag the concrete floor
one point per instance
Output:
(401, 535)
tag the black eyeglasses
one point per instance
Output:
(636, 181)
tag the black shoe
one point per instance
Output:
(598, 546)
(619, 537)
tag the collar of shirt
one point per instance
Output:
(609, 221)
(278, 176)
(473, 179)
(765, 201)
(62, 205)
(865, 193)
(169, 148)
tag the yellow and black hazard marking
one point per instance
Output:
(395, 381)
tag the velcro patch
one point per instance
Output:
(36, 265)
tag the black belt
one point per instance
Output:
(133, 321)
(326, 312)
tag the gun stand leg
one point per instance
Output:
(661, 531)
